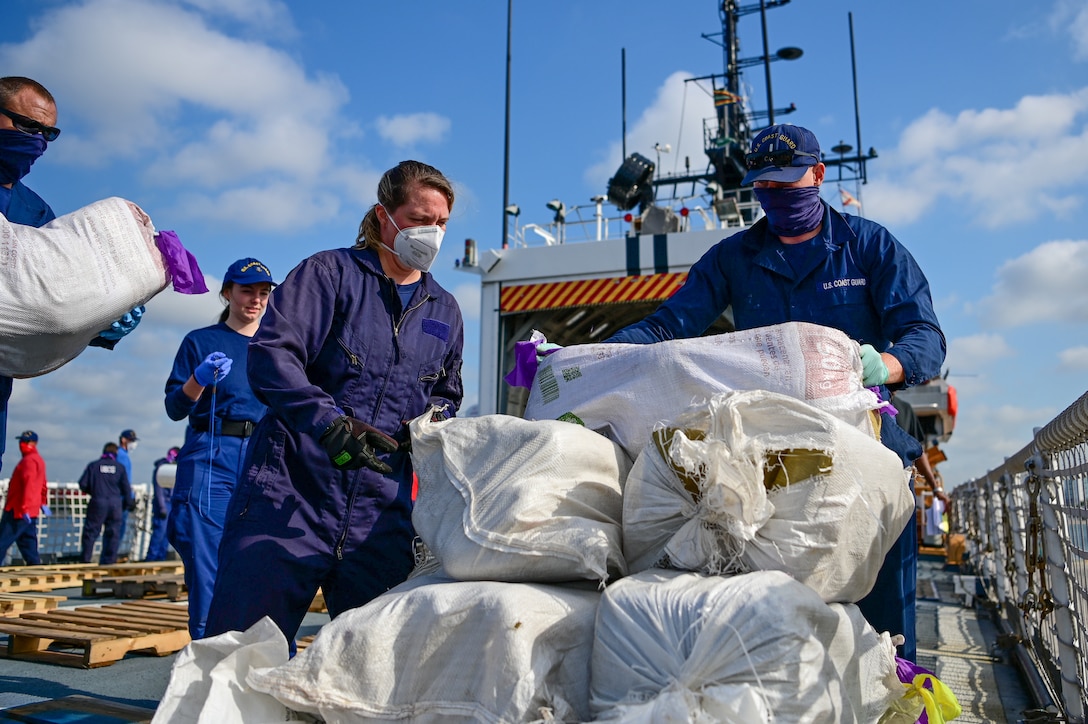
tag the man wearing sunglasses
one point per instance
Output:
(806, 262)
(28, 117)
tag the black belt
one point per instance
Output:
(232, 428)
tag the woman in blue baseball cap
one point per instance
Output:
(208, 385)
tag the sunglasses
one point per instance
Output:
(783, 157)
(29, 125)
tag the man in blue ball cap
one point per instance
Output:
(806, 262)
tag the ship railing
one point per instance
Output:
(587, 222)
(1026, 529)
(60, 534)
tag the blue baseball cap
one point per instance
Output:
(248, 271)
(782, 153)
(27, 436)
(128, 435)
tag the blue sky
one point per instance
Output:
(260, 128)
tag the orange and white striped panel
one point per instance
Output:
(586, 292)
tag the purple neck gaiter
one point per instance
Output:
(793, 210)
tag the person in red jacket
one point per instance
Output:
(25, 502)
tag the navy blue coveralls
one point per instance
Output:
(210, 461)
(27, 208)
(158, 546)
(106, 481)
(335, 335)
(854, 276)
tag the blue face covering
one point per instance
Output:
(793, 210)
(18, 152)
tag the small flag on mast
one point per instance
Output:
(848, 198)
(723, 97)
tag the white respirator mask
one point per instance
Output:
(416, 246)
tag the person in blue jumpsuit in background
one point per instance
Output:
(158, 547)
(106, 481)
(208, 385)
(126, 441)
(806, 262)
(28, 118)
(356, 342)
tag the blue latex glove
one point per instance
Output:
(873, 370)
(215, 367)
(543, 350)
(26, 518)
(46, 512)
(123, 326)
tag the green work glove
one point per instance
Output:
(873, 370)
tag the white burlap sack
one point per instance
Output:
(760, 647)
(441, 651)
(506, 499)
(207, 682)
(758, 481)
(623, 390)
(62, 284)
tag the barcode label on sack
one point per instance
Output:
(549, 386)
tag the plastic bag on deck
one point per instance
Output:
(623, 390)
(761, 647)
(507, 499)
(63, 283)
(437, 651)
(756, 480)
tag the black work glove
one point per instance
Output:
(130, 505)
(352, 444)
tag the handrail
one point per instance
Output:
(1026, 524)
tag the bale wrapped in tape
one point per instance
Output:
(433, 650)
(501, 498)
(756, 480)
(759, 647)
(623, 390)
(63, 283)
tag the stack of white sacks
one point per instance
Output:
(670, 560)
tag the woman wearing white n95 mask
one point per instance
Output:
(356, 342)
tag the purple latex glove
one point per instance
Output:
(525, 365)
(885, 407)
(180, 264)
(906, 671)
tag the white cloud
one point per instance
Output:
(1045, 284)
(661, 124)
(976, 352)
(270, 16)
(1071, 16)
(275, 207)
(1074, 359)
(243, 126)
(996, 165)
(410, 129)
(468, 298)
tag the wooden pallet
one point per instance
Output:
(152, 585)
(318, 604)
(302, 643)
(13, 604)
(93, 636)
(41, 578)
(77, 707)
(141, 568)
